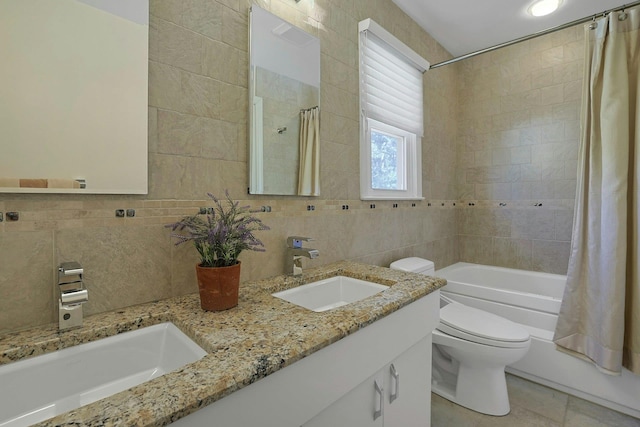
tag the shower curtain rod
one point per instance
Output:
(534, 35)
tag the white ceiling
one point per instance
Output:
(464, 26)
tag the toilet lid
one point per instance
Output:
(476, 325)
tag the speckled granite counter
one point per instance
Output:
(258, 337)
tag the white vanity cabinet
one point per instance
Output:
(396, 396)
(358, 408)
(335, 386)
(412, 405)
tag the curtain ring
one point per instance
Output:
(593, 24)
(622, 16)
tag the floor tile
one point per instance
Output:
(532, 405)
(581, 413)
(445, 413)
(537, 398)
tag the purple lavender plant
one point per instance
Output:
(221, 235)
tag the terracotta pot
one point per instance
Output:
(218, 287)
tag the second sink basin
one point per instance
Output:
(33, 390)
(330, 293)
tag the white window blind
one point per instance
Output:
(391, 85)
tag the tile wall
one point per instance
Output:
(518, 141)
(198, 143)
(499, 163)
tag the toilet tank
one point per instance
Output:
(414, 265)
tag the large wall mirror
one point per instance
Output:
(73, 96)
(284, 91)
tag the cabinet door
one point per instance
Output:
(357, 408)
(408, 388)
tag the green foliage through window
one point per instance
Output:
(384, 160)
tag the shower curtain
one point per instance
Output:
(600, 314)
(309, 148)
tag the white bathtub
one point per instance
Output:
(533, 300)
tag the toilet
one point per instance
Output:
(470, 350)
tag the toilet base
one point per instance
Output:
(472, 375)
(494, 402)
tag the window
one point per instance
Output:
(388, 151)
(391, 120)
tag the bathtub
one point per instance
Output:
(533, 299)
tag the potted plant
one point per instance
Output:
(220, 236)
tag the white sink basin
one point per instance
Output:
(35, 389)
(330, 293)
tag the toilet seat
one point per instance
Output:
(478, 326)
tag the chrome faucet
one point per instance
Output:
(72, 295)
(295, 252)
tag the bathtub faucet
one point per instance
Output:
(295, 252)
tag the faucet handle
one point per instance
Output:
(70, 276)
(75, 297)
(71, 268)
(296, 241)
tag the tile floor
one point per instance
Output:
(532, 405)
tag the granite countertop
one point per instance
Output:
(258, 337)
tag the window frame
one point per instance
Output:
(411, 177)
(413, 142)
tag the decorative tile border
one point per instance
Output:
(58, 215)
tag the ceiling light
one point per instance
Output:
(544, 7)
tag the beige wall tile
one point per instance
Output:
(153, 130)
(520, 155)
(564, 189)
(550, 256)
(178, 46)
(223, 62)
(169, 10)
(485, 138)
(539, 123)
(122, 265)
(26, 280)
(339, 74)
(552, 56)
(501, 156)
(202, 95)
(534, 223)
(338, 101)
(476, 249)
(513, 253)
(202, 16)
(563, 224)
(165, 87)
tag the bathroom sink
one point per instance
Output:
(330, 293)
(35, 389)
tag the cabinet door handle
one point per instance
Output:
(395, 391)
(377, 412)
